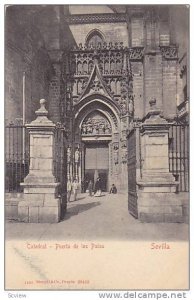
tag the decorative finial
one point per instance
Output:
(152, 103)
(42, 110)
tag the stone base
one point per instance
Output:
(11, 209)
(39, 211)
(11, 205)
(159, 207)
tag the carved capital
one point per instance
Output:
(136, 53)
(169, 52)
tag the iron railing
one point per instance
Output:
(60, 165)
(16, 157)
(179, 154)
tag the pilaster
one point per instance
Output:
(157, 201)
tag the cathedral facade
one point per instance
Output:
(101, 69)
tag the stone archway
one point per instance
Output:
(97, 134)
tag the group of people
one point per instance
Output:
(98, 188)
(72, 189)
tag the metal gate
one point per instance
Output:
(133, 168)
(179, 154)
(60, 165)
(16, 157)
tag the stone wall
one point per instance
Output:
(113, 32)
(36, 36)
(153, 79)
(25, 52)
(138, 89)
(170, 87)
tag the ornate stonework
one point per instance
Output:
(96, 70)
(169, 52)
(136, 53)
(96, 125)
(96, 18)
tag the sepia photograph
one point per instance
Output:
(96, 130)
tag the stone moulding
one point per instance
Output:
(95, 18)
(134, 53)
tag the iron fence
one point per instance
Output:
(60, 165)
(16, 157)
(179, 154)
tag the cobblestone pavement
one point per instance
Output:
(104, 217)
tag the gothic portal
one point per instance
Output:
(115, 78)
(100, 86)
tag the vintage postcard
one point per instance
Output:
(97, 147)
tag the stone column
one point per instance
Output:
(157, 201)
(40, 203)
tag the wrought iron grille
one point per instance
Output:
(16, 157)
(132, 169)
(179, 154)
(60, 163)
(60, 166)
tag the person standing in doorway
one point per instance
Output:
(75, 189)
(90, 187)
(69, 188)
(98, 188)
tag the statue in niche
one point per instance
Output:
(123, 106)
(131, 107)
(124, 144)
(124, 156)
(77, 156)
(116, 147)
(84, 128)
(68, 154)
(116, 153)
(116, 157)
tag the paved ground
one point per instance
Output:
(91, 218)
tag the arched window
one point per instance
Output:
(94, 38)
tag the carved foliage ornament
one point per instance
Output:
(136, 53)
(96, 18)
(169, 52)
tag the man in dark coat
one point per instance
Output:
(98, 188)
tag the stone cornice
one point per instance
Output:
(134, 53)
(96, 18)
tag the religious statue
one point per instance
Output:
(131, 107)
(68, 154)
(116, 153)
(116, 157)
(77, 156)
(124, 156)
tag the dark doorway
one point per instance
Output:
(96, 164)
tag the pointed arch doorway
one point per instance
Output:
(96, 133)
(96, 129)
(96, 163)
